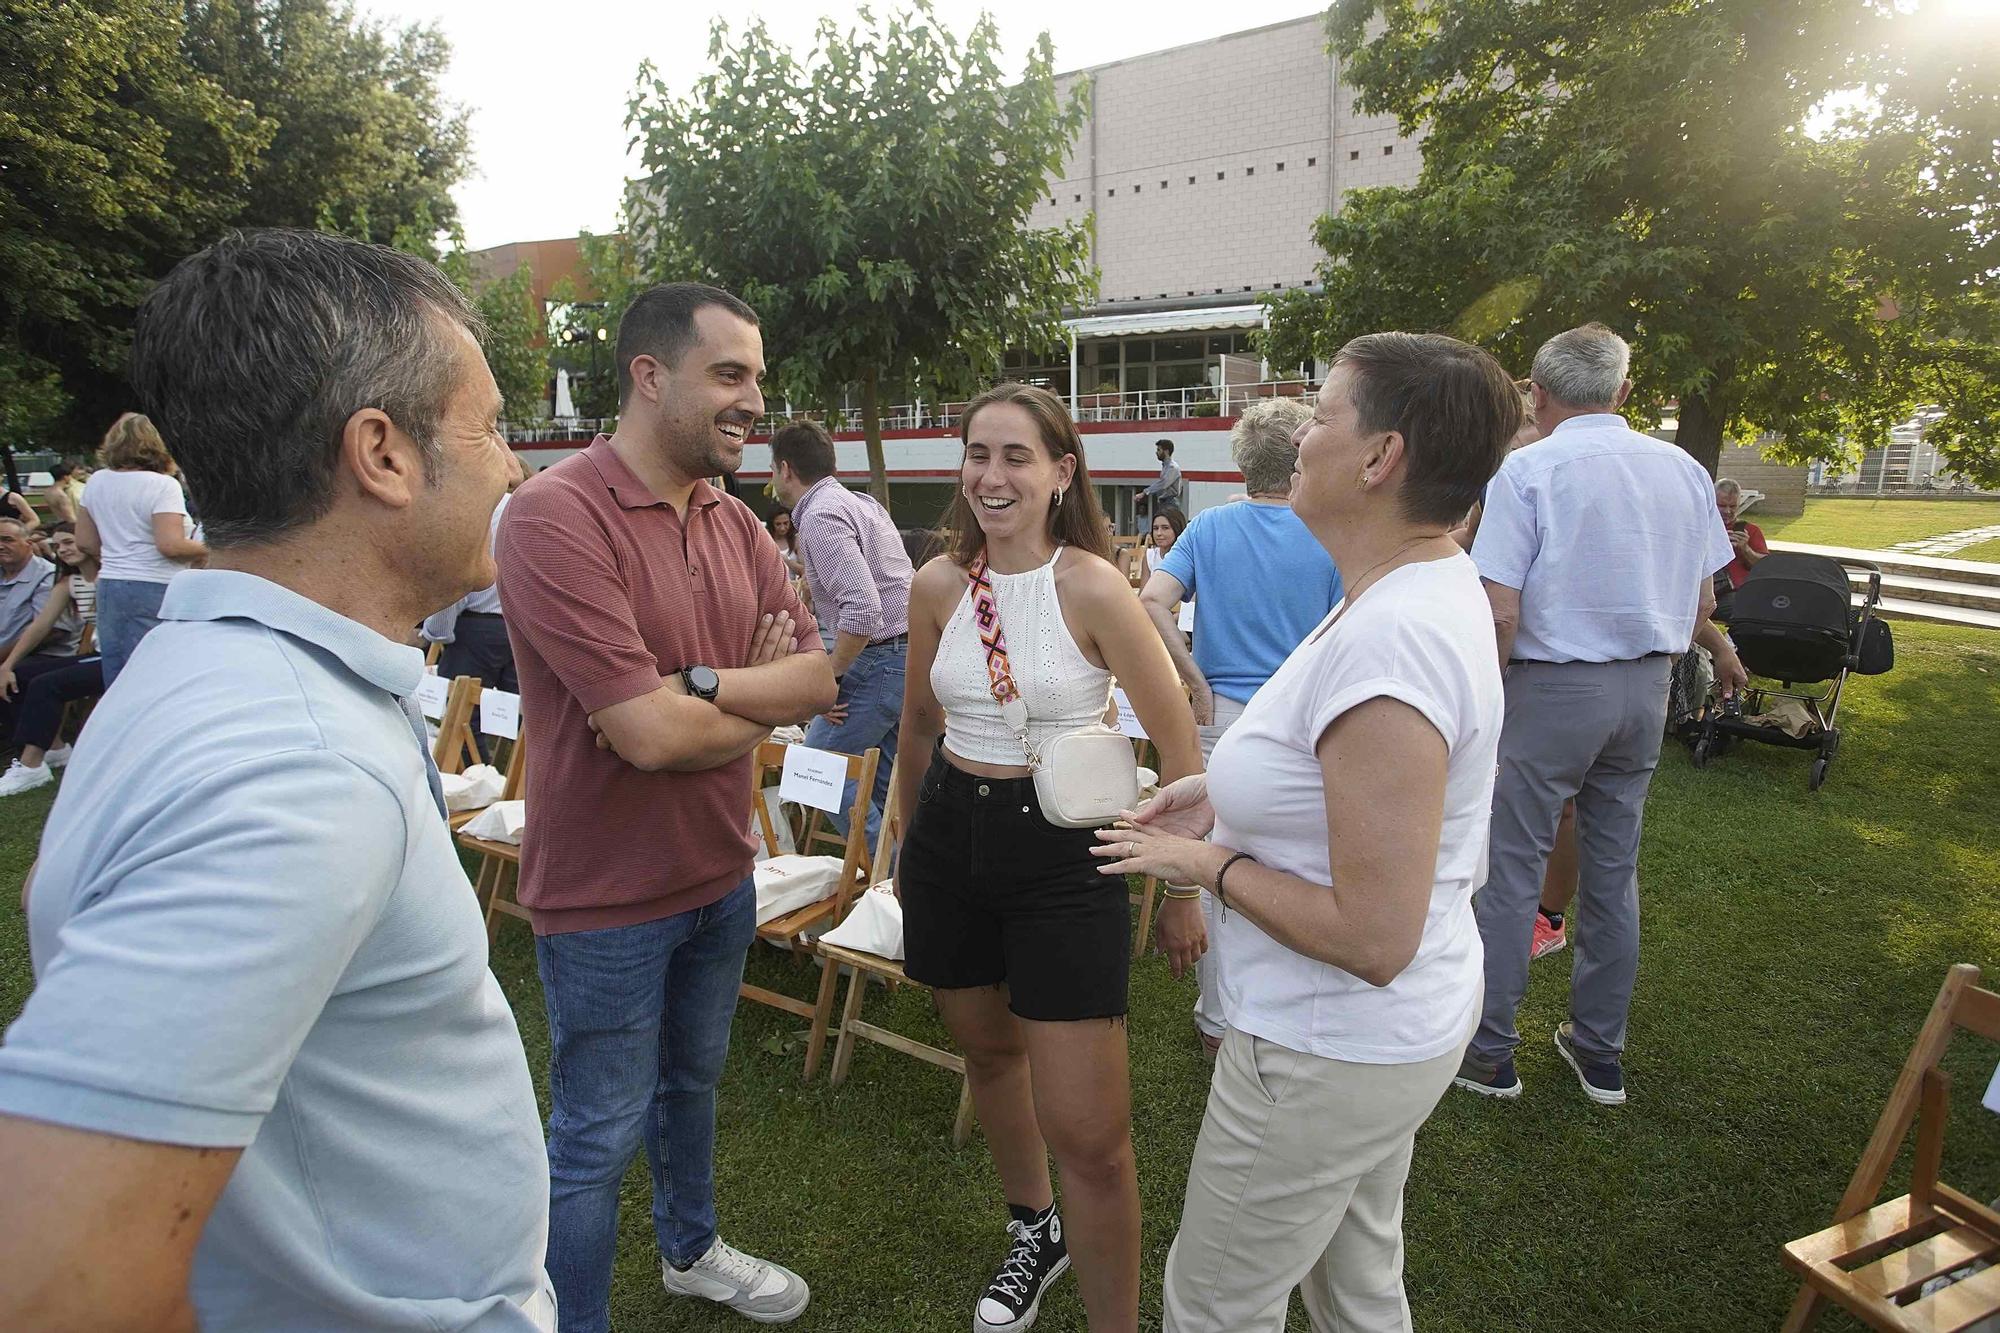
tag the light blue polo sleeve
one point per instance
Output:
(1180, 561)
(1508, 536)
(197, 946)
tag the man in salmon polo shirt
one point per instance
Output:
(658, 640)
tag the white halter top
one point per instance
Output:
(1061, 687)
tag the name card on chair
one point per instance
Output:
(1128, 721)
(1186, 621)
(813, 777)
(1991, 1101)
(432, 692)
(500, 714)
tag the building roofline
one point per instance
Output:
(1314, 17)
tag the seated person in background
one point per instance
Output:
(65, 484)
(28, 641)
(1747, 539)
(38, 696)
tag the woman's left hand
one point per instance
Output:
(1137, 849)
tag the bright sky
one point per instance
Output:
(547, 83)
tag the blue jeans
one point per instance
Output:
(127, 610)
(638, 1027)
(872, 689)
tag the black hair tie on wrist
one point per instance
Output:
(1220, 897)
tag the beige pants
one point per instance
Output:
(1297, 1181)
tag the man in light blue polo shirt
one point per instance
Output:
(1261, 582)
(1597, 548)
(266, 1080)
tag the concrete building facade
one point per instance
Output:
(1207, 165)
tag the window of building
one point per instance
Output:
(1354, 155)
(1190, 180)
(1281, 166)
(1163, 185)
(1078, 199)
(1312, 161)
(1388, 149)
(1249, 171)
(1219, 175)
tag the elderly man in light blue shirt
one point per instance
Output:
(1597, 549)
(266, 1079)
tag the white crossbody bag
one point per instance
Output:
(1083, 778)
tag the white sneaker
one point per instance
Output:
(19, 778)
(754, 1288)
(56, 758)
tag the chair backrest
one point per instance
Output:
(457, 749)
(855, 859)
(516, 786)
(1920, 1095)
(881, 865)
(86, 643)
(432, 653)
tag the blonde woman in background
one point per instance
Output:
(134, 519)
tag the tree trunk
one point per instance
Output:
(871, 427)
(1700, 430)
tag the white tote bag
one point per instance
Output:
(787, 883)
(875, 925)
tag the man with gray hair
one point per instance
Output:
(1597, 548)
(1260, 584)
(266, 1079)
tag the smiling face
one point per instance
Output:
(1010, 477)
(67, 550)
(1332, 450)
(1163, 535)
(710, 399)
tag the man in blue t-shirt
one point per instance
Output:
(1260, 583)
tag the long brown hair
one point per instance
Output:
(1077, 521)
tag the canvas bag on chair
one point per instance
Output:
(1083, 778)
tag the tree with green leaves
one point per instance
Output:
(1680, 171)
(584, 336)
(133, 132)
(870, 201)
(516, 342)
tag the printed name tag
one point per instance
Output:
(1128, 721)
(500, 714)
(813, 777)
(432, 693)
(1991, 1101)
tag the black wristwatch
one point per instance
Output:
(701, 682)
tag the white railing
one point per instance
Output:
(562, 430)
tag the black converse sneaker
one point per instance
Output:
(1039, 1257)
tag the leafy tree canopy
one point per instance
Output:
(1790, 209)
(133, 132)
(870, 200)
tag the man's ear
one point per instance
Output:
(1624, 392)
(382, 462)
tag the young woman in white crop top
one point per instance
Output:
(1004, 914)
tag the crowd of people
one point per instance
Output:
(266, 1078)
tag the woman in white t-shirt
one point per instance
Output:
(1347, 812)
(133, 517)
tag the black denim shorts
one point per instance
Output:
(995, 894)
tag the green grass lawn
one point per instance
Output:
(1794, 942)
(1875, 525)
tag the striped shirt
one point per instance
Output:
(83, 598)
(856, 567)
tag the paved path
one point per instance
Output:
(1950, 543)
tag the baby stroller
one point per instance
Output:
(1794, 622)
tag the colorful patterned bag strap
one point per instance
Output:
(986, 612)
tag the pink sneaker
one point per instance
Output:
(1548, 938)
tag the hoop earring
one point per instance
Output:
(1059, 496)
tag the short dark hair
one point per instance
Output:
(807, 447)
(660, 324)
(1168, 445)
(1454, 405)
(63, 468)
(253, 354)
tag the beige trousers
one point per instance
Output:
(1297, 1181)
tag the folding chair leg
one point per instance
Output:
(1142, 929)
(822, 1015)
(1805, 1310)
(843, 1046)
(961, 1127)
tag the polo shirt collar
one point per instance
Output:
(798, 509)
(227, 594)
(32, 572)
(1593, 421)
(628, 490)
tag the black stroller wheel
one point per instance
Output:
(1701, 751)
(1818, 773)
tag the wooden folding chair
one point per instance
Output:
(457, 749)
(432, 653)
(865, 965)
(500, 862)
(1874, 1260)
(77, 711)
(790, 931)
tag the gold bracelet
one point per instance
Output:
(1180, 892)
